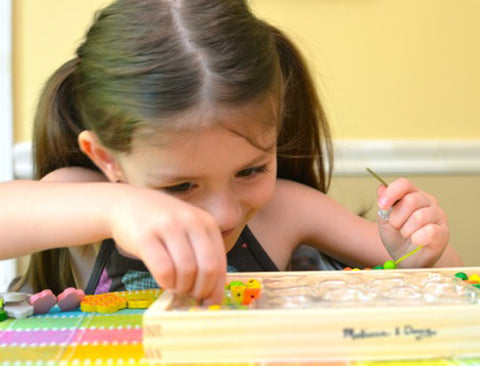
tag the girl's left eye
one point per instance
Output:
(251, 172)
(180, 188)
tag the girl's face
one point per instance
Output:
(214, 167)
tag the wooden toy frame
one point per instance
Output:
(327, 333)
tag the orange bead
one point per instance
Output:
(250, 294)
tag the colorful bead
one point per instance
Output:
(237, 293)
(42, 301)
(461, 275)
(250, 294)
(235, 283)
(253, 283)
(103, 303)
(214, 307)
(140, 299)
(13, 296)
(3, 313)
(378, 267)
(18, 310)
(70, 299)
(389, 265)
(139, 303)
(474, 277)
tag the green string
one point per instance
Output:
(408, 254)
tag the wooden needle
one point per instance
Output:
(377, 176)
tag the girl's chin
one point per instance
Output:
(230, 241)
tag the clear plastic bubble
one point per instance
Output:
(350, 294)
(386, 283)
(404, 295)
(329, 285)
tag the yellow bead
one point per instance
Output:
(253, 283)
(474, 277)
(214, 307)
(237, 293)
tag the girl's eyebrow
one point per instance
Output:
(168, 176)
(258, 160)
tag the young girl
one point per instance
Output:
(181, 131)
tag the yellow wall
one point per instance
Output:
(386, 68)
(46, 34)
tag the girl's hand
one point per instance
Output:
(415, 220)
(180, 244)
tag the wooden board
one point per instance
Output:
(331, 315)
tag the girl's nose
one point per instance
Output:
(226, 210)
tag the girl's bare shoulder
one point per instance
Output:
(290, 196)
(298, 214)
(74, 174)
(287, 219)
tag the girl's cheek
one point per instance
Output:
(264, 192)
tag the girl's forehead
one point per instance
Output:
(190, 141)
(257, 122)
(210, 153)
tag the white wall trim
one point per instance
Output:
(23, 167)
(408, 157)
(6, 120)
(395, 157)
(7, 267)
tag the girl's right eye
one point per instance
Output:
(180, 188)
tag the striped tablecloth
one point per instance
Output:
(78, 338)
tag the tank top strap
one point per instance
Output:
(248, 255)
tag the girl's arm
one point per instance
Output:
(305, 215)
(180, 244)
(41, 215)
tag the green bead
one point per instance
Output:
(3, 315)
(461, 275)
(477, 285)
(235, 283)
(389, 265)
(378, 267)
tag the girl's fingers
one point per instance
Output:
(159, 263)
(418, 219)
(404, 209)
(208, 251)
(183, 258)
(388, 196)
(216, 296)
(430, 235)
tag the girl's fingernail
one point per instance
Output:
(383, 203)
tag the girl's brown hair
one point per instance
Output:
(144, 61)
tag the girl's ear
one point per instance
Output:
(101, 157)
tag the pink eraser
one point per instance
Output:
(70, 299)
(43, 301)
